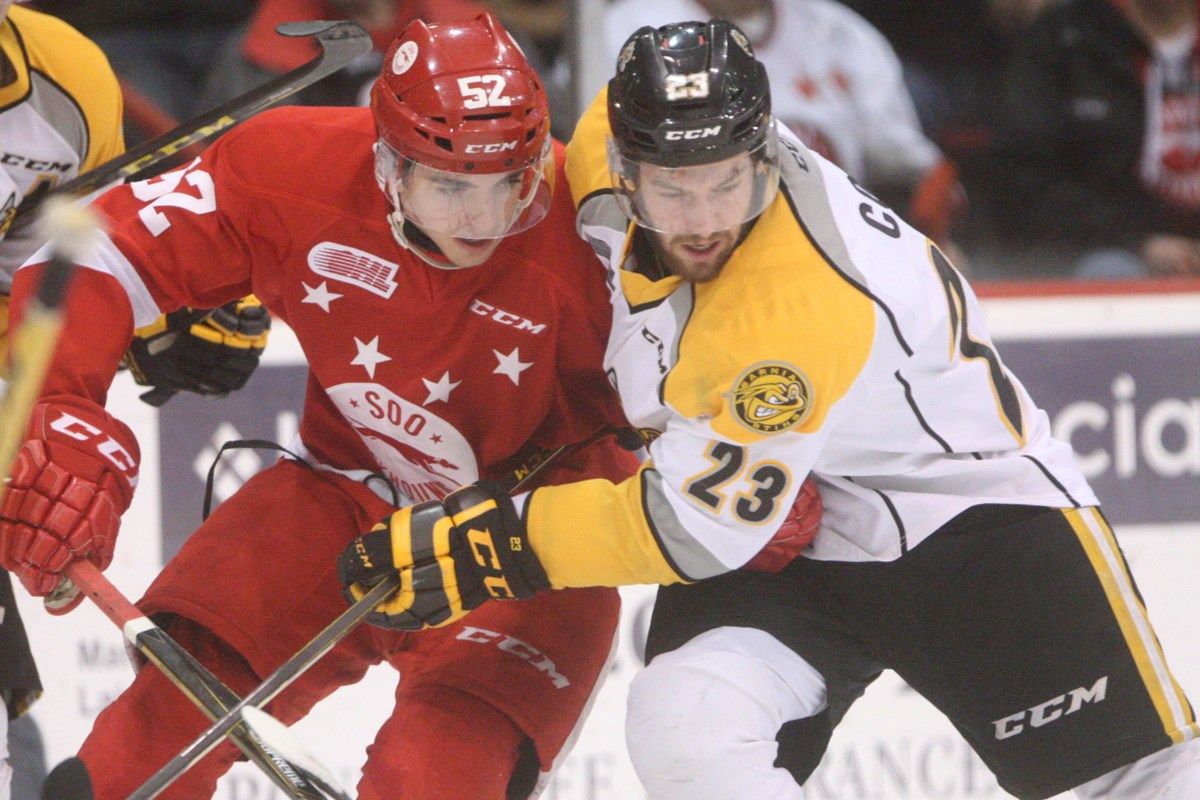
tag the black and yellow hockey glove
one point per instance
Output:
(451, 555)
(201, 351)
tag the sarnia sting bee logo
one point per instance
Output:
(771, 397)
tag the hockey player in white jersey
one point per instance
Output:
(60, 117)
(772, 320)
(838, 85)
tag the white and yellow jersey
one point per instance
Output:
(837, 340)
(60, 115)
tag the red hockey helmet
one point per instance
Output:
(456, 100)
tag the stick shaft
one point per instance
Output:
(342, 42)
(268, 689)
(32, 348)
(203, 688)
(323, 643)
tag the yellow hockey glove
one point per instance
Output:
(196, 350)
(451, 555)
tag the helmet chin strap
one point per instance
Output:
(405, 232)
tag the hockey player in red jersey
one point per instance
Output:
(449, 321)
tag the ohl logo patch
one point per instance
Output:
(771, 397)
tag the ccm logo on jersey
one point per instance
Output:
(506, 318)
(491, 147)
(516, 647)
(693, 133)
(34, 164)
(1052, 709)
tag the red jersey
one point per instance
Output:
(435, 377)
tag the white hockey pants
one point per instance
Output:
(702, 719)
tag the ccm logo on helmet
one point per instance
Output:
(491, 147)
(693, 133)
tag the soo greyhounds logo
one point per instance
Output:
(423, 454)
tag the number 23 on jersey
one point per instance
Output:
(756, 504)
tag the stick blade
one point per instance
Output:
(323, 28)
(68, 781)
(277, 736)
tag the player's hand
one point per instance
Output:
(451, 555)
(799, 528)
(70, 482)
(195, 350)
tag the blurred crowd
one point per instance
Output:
(1035, 139)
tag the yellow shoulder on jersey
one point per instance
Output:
(48, 45)
(10, 43)
(775, 341)
(587, 154)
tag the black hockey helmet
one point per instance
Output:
(688, 93)
(693, 147)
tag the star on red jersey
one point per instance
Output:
(439, 390)
(511, 365)
(319, 296)
(368, 355)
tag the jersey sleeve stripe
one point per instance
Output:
(106, 258)
(900, 530)
(686, 555)
(912, 403)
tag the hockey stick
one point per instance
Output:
(201, 686)
(275, 683)
(341, 42)
(522, 475)
(288, 745)
(69, 229)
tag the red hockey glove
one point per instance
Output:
(799, 528)
(69, 484)
(452, 556)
